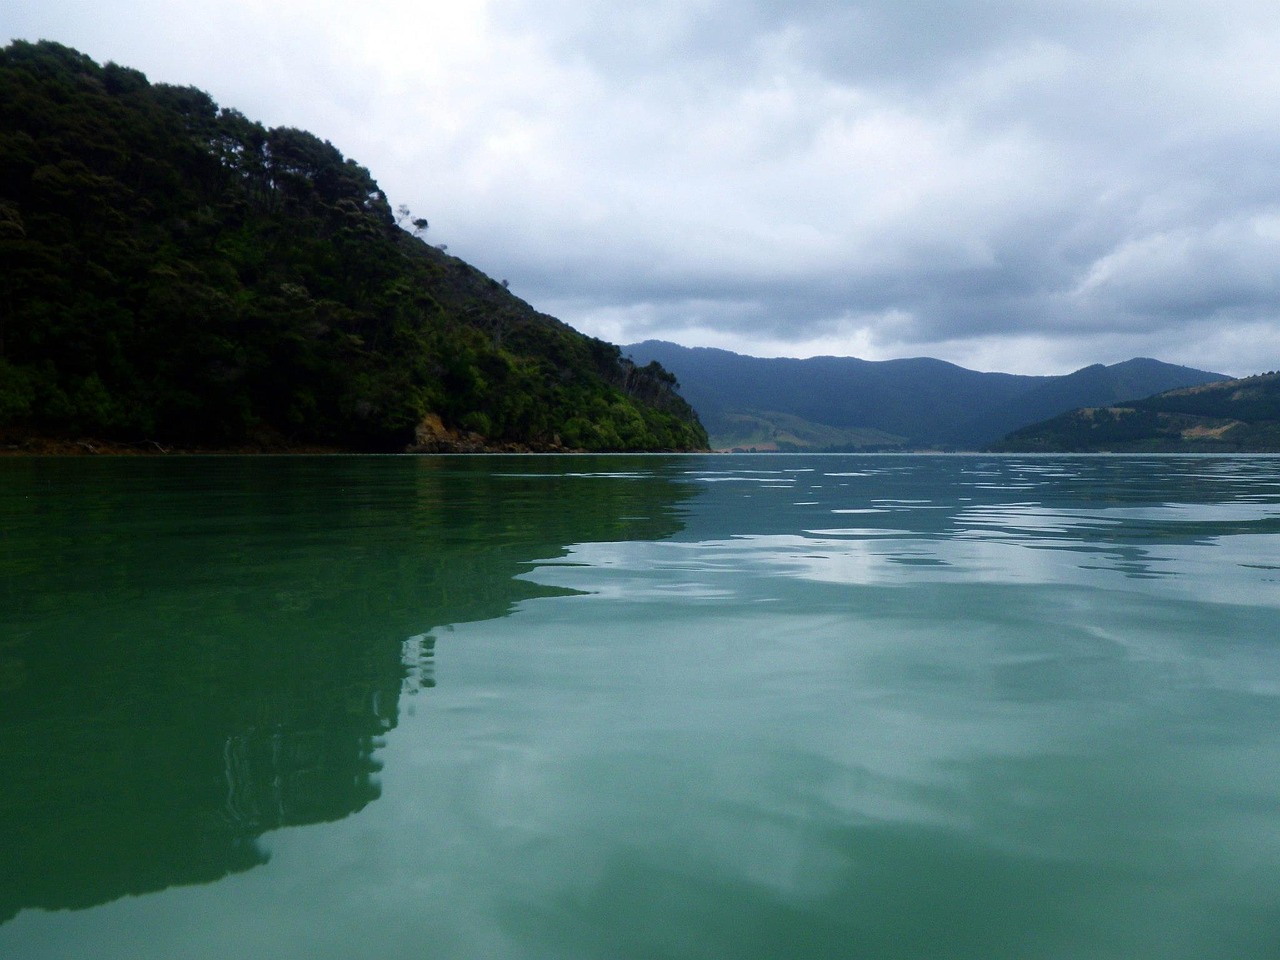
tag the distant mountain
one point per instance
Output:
(176, 273)
(850, 404)
(1095, 385)
(1230, 416)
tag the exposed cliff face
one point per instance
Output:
(432, 436)
(178, 274)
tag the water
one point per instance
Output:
(614, 707)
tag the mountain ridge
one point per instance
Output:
(910, 403)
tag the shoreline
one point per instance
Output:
(93, 447)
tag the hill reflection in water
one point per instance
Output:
(195, 651)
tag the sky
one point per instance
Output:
(1027, 186)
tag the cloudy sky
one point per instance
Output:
(1018, 185)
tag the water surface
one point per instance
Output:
(611, 707)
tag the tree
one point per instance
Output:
(176, 272)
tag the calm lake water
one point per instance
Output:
(640, 707)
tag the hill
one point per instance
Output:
(845, 403)
(1231, 416)
(175, 273)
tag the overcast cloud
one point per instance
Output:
(1008, 184)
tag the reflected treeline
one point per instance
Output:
(195, 651)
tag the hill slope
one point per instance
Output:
(1230, 416)
(902, 404)
(177, 273)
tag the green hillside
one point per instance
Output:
(773, 432)
(845, 403)
(177, 274)
(1231, 416)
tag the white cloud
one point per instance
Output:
(1220, 270)
(1021, 184)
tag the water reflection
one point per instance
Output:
(984, 722)
(799, 706)
(922, 773)
(197, 651)
(964, 518)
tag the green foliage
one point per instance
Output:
(177, 272)
(1232, 416)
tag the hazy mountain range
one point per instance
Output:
(843, 403)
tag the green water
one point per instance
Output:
(614, 707)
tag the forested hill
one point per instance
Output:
(848, 403)
(1231, 416)
(177, 274)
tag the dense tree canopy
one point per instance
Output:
(176, 272)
